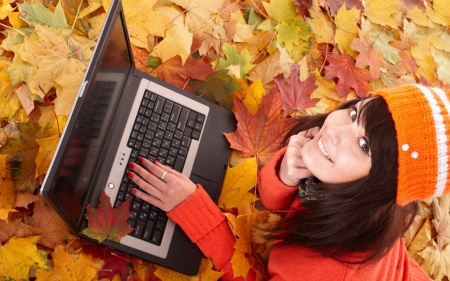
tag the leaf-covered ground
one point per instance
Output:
(265, 60)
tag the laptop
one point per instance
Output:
(121, 114)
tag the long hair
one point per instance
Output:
(359, 217)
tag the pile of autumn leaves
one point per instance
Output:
(265, 60)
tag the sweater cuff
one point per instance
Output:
(197, 215)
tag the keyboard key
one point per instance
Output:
(148, 230)
(147, 94)
(179, 163)
(186, 142)
(182, 151)
(156, 238)
(195, 135)
(139, 229)
(168, 107)
(200, 118)
(160, 225)
(171, 127)
(143, 216)
(181, 125)
(190, 123)
(165, 144)
(146, 144)
(178, 135)
(159, 103)
(188, 132)
(154, 118)
(198, 126)
(164, 117)
(152, 126)
(193, 115)
(153, 97)
(175, 114)
(153, 215)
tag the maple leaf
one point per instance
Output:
(51, 54)
(79, 25)
(441, 220)
(177, 74)
(114, 263)
(47, 147)
(217, 88)
(239, 180)
(24, 198)
(206, 272)
(368, 56)
(259, 134)
(177, 41)
(296, 95)
(381, 12)
(346, 29)
(19, 255)
(280, 9)
(16, 228)
(343, 68)
(37, 14)
(71, 267)
(234, 58)
(66, 89)
(436, 262)
(7, 192)
(253, 96)
(421, 240)
(55, 230)
(320, 24)
(106, 221)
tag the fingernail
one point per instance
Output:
(157, 162)
(140, 159)
(131, 165)
(134, 191)
(130, 175)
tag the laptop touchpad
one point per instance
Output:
(210, 187)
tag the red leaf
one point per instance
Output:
(113, 263)
(296, 95)
(259, 134)
(106, 221)
(343, 68)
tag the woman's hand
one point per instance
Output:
(292, 168)
(164, 188)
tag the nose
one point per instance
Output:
(338, 133)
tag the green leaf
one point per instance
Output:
(233, 58)
(37, 13)
(218, 87)
(20, 70)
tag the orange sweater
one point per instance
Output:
(205, 225)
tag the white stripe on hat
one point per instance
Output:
(441, 137)
(442, 146)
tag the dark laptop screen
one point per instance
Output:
(90, 125)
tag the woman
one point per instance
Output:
(350, 180)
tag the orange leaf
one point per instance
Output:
(259, 134)
(343, 67)
(368, 56)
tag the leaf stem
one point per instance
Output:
(18, 31)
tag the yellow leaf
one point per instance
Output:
(425, 62)
(16, 21)
(320, 24)
(240, 263)
(177, 41)
(66, 91)
(5, 10)
(439, 12)
(280, 9)
(170, 275)
(442, 59)
(243, 32)
(441, 220)
(51, 54)
(7, 191)
(346, 28)
(254, 95)
(206, 271)
(238, 181)
(419, 16)
(69, 267)
(383, 12)
(423, 238)
(18, 256)
(93, 5)
(436, 262)
(47, 147)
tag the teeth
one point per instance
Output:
(322, 149)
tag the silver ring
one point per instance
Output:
(162, 177)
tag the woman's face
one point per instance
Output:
(339, 153)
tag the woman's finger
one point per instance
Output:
(145, 180)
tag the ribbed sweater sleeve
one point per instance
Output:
(274, 194)
(205, 225)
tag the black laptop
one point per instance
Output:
(121, 114)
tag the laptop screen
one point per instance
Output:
(89, 125)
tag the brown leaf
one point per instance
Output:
(24, 198)
(15, 227)
(55, 229)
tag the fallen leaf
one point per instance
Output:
(24, 198)
(114, 263)
(106, 221)
(383, 12)
(320, 24)
(436, 262)
(16, 228)
(55, 230)
(69, 267)
(346, 28)
(19, 255)
(296, 95)
(368, 56)
(349, 76)
(239, 180)
(259, 134)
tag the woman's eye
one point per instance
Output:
(364, 145)
(353, 113)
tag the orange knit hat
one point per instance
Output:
(422, 121)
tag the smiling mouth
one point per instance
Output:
(322, 149)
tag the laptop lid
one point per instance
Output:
(70, 179)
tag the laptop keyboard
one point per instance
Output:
(163, 131)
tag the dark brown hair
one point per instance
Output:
(361, 216)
